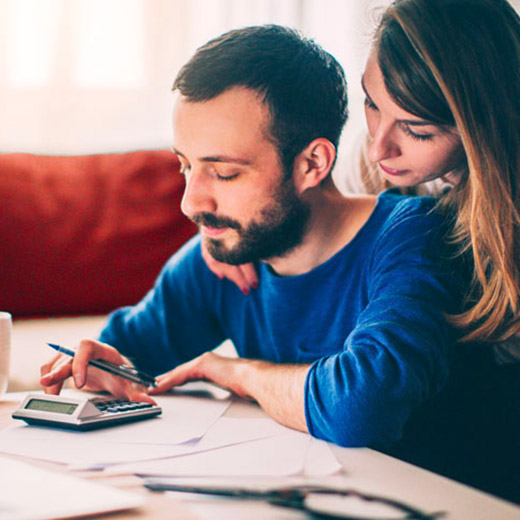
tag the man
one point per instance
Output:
(346, 335)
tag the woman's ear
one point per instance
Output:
(313, 164)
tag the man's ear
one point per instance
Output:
(313, 164)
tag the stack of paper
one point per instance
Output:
(190, 439)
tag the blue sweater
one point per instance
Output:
(369, 320)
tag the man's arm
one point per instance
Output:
(171, 324)
(395, 359)
(278, 388)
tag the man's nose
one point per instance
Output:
(198, 195)
(382, 144)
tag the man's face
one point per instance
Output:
(247, 209)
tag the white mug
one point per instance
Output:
(6, 324)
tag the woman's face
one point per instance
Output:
(408, 150)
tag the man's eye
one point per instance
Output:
(226, 177)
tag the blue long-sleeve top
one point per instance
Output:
(370, 321)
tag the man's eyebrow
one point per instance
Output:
(218, 158)
(411, 122)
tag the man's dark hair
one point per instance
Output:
(303, 86)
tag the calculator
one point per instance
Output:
(81, 413)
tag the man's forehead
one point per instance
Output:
(228, 128)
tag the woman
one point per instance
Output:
(445, 75)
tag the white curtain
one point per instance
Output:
(88, 76)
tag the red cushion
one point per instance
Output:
(86, 234)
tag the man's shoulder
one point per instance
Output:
(406, 220)
(400, 210)
(398, 203)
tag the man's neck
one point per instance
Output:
(335, 220)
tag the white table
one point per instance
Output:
(364, 469)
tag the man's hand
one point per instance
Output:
(90, 378)
(244, 276)
(224, 372)
(279, 389)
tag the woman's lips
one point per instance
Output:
(213, 232)
(391, 171)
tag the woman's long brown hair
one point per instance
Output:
(456, 63)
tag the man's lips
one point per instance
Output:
(391, 171)
(212, 231)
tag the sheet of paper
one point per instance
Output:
(320, 460)
(281, 455)
(85, 454)
(81, 453)
(184, 418)
(30, 493)
(225, 432)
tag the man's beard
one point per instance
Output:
(280, 229)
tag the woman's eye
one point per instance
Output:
(418, 137)
(369, 104)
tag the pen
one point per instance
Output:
(124, 371)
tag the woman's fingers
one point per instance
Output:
(250, 274)
(244, 276)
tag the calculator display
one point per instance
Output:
(51, 406)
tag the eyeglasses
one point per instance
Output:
(321, 503)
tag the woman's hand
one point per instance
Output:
(88, 377)
(244, 276)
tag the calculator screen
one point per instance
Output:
(51, 406)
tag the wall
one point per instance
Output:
(83, 76)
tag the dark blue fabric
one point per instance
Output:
(369, 320)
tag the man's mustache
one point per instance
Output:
(210, 220)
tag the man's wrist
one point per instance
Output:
(278, 388)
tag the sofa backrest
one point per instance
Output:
(86, 234)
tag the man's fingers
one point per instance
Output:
(193, 370)
(140, 396)
(88, 350)
(61, 371)
(53, 389)
(47, 367)
(165, 382)
(175, 377)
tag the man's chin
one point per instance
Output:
(218, 250)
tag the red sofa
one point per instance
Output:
(86, 234)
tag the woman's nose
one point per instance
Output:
(382, 145)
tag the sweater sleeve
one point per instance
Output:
(174, 322)
(397, 355)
